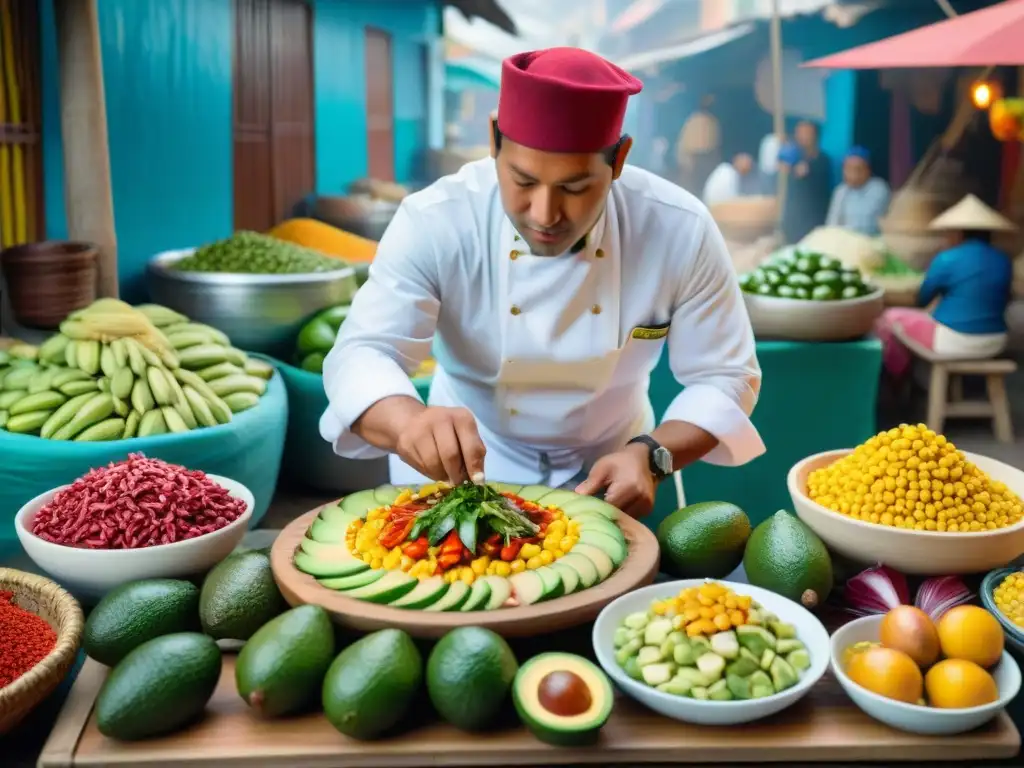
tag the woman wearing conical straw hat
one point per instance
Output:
(970, 284)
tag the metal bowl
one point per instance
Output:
(260, 313)
(359, 214)
(805, 320)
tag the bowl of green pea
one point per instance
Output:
(805, 296)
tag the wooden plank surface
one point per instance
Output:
(824, 727)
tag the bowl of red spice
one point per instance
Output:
(40, 631)
(139, 518)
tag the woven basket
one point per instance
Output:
(61, 611)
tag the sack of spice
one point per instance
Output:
(25, 639)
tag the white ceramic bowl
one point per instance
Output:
(809, 631)
(915, 552)
(91, 573)
(911, 717)
(773, 317)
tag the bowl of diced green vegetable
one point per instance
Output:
(727, 677)
(806, 296)
(257, 289)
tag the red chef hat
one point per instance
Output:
(563, 100)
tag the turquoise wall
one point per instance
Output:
(168, 78)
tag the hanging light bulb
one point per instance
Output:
(984, 93)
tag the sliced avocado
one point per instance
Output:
(742, 667)
(676, 687)
(649, 654)
(591, 504)
(700, 643)
(570, 577)
(767, 658)
(711, 665)
(598, 557)
(632, 668)
(527, 587)
(359, 503)
(354, 581)
(390, 587)
(725, 644)
(558, 498)
(783, 675)
(720, 691)
(453, 599)
(782, 630)
(799, 659)
(563, 699)
(479, 594)
(760, 685)
(326, 568)
(788, 646)
(738, 686)
(746, 654)
(692, 677)
(591, 521)
(699, 692)
(335, 514)
(385, 495)
(657, 631)
(657, 674)
(685, 654)
(328, 532)
(323, 551)
(584, 568)
(552, 582)
(614, 547)
(755, 639)
(427, 592)
(506, 488)
(534, 492)
(501, 591)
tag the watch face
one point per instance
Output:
(663, 460)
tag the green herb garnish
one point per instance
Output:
(466, 506)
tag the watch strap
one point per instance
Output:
(652, 446)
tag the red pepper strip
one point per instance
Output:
(417, 549)
(448, 560)
(511, 550)
(492, 546)
(395, 533)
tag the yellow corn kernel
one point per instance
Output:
(403, 497)
(556, 528)
(432, 551)
(566, 543)
(451, 576)
(501, 568)
(572, 528)
(417, 569)
(547, 557)
(691, 605)
(517, 566)
(356, 524)
(367, 558)
(534, 563)
(376, 563)
(393, 559)
(706, 612)
(714, 591)
(719, 609)
(737, 618)
(379, 551)
(406, 563)
(687, 594)
(743, 602)
(467, 576)
(559, 554)
(378, 524)
(691, 614)
(722, 622)
(552, 543)
(479, 566)
(529, 551)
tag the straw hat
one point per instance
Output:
(971, 213)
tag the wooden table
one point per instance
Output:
(824, 727)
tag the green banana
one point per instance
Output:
(131, 425)
(135, 359)
(88, 356)
(41, 401)
(18, 378)
(191, 378)
(215, 335)
(7, 399)
(3, 419)
(122, 383)
(236, 356)
(76, 329)
(202, 356)
(142, 396)
(221, 411)
(161, 316)
(241, 401)
(108, 364)
(121, 407)
(41, 381)
(52, 350)
(218, 371)
(152, 423)
(238, 383)
(147, 354)
(24, 352)
(191, 338)
(200, 408)
(64, 375)
(108, 429)
(64, 414)
(169, 359)
(162, 392)
(173, 420)
(120, 352)
(258, 368)
(185, 411)
(95, 410)
(25, 423)
(103, 384)
(74, 388)
(71, 354)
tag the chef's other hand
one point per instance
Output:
(443, 444)
(627, 478)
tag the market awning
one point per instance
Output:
(989, 37)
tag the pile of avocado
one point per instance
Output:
(752, 662)
(795, 274)
(159, 636)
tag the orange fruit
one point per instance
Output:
(888, 673)
(911, 630)
(971, 633)
(956, 684)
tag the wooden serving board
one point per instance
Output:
(824, 727)
(638, 570)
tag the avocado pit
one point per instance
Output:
(564, 693)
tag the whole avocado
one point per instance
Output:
(704, 540)
(159, 687)
(137, 612)
(239, 596)
(469, 676)
(372, 684)
(282, 667)
(785, 556)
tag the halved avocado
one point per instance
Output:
(359, 503)
(427, 592)
(613, 546)
(328, 568)
(563, 699)
(590, 504)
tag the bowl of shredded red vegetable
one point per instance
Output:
(139, 518)
(40, 631)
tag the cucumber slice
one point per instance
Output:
(326, 568)
(390, 587)
(479, 594)
(584, 568)
(612, 546)
(453, 599)
(354, 581)
(426, 593)
(328, 532)
(570, 577)
(552, 582)
(598, 557)
(338, 516)
(527, 587)
(501, 591)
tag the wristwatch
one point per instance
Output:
(659, 456)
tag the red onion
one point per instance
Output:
(938, 595)
(876, 590)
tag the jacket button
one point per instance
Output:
(515, 310)
(596, 309)
(514, 255)
(599, 254)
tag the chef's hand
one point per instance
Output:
(627, 477)
(443, 444)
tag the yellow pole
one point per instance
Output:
(17, 161)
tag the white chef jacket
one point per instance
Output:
(552, 355)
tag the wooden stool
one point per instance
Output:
(945, 392)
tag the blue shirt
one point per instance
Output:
(859, 208)
(974, 281)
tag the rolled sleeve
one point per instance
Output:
(712, 354)
(387, 334)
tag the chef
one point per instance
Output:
(548, 278)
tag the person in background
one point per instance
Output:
(808, 186)
(862, 199)
(969, 282)
(740, 178)
(698, 148)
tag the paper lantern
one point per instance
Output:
(1006, 119)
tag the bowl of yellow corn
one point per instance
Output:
(909, 499)
(1002, 594)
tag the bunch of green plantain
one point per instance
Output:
(115, 372)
